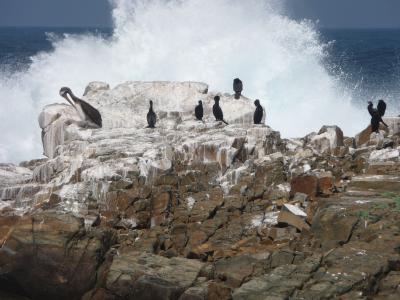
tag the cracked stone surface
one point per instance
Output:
(197, 210)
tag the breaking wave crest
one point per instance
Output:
(279, 60)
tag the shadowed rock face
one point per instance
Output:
(51, 250)
(197, 210)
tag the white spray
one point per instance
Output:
(214, 41)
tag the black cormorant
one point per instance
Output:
(258, 114)
(151, 116)
(237, 87)
(376, 115)
(217, 111)
(198, 111)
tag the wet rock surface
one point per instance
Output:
(198, 210)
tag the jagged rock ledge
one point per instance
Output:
(198, 210)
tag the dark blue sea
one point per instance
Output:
(19, 44)
(366, 60)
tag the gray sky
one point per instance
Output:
(96, 13)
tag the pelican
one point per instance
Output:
(91, 117)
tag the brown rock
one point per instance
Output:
(333, 227)
(135, 275)
(201, 251)
(350, 142)
(291, 219)
(218, 291)
(161, 202)
(363, 137)
(98, 294)
(196, 238)
(306, 184)
(195, 293)
(236, 270)
(48, 255)
(325, 183)
(179, 237)
(118, 201)
(282, 234)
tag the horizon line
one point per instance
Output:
(111, 27)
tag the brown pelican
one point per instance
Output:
(91, 117)
(151, 117)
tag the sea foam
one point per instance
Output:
(279, 60)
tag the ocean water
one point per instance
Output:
(19, 44)
(305, 77)
(367, 60)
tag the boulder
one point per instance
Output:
(384, 155)
(328, 139)
(333, 226)
(48, 255)
(326, 183)
(291, 219)
(363, 137)
(394, 124)
(236, 270)
(306, 184)
(135, 275)
(11, 174)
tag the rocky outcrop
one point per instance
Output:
(328, 139)
(197, 210)
(51, 250)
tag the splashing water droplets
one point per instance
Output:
(213, 41)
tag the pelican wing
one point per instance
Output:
(92, 113)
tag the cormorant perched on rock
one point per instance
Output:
(377, 115)
(217, 111)
(151, 117)
(91, 117)
(258, 114)
(237, 87)
(198, 111)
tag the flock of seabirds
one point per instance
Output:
(91, 117)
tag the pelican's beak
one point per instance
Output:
(64, 94)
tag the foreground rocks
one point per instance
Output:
(198, 210)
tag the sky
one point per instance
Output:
(96, 13)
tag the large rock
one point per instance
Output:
(328, 139)
(363, 137)
(126, 106)
(145, 276)
(306, 184)
(12, 175)
(86, 163)
(384, 155)
(394, 124)
(49, 256)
